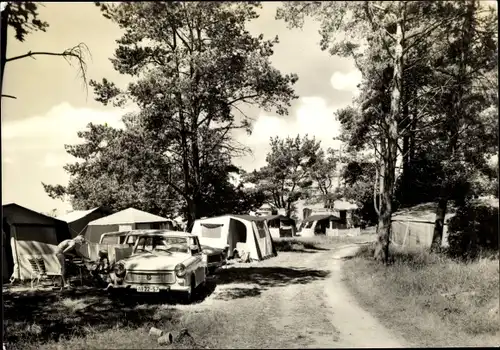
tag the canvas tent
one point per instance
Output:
(30, 234)
(126, 220)
(414, 227)
(326, 224)
(78, 220)
(280, 226)
(245, 233)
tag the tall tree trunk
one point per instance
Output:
(391, 147)
(454, 123)
(3, 43)
(192, 210)
(405, 176)
(437, 235)
(413, 127)
(196, 174)
(381, 186)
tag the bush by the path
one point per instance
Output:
(473, 230)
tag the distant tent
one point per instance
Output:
(414, 226)
(280, 226)
(78, 219)
(319, 225)
(30, 233)
(244, 233)
(126, 220)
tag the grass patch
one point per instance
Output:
(89, 319)
(431, 300)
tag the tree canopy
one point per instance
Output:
(193, 64)
(425, 97)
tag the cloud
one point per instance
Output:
(346, 81)
(58, 126)
(36, 146)
(313, 116)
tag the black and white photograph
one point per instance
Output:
(249, 175)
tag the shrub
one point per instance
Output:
(474, 229)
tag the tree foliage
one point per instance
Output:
(324, 173)
(288, 174)
(427, 69)
(119, 168)
(193, 64)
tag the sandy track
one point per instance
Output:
(295, 300)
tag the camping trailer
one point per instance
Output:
(242, 233)
(280, 226)
(320, 225)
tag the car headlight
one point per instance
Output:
(120, 270)
(180, 270)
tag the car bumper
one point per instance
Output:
(152, 287)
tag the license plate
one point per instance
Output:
(148, 289)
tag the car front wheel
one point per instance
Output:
(187, 297)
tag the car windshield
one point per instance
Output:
(110, 239)
(162, 244)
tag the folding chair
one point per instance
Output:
(39, 270)
(43, 269)
(36, 274)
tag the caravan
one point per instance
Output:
(239, 233)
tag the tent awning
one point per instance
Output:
(76, 215)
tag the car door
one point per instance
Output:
(199, 265)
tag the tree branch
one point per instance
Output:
(78, 52)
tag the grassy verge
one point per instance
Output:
(428, 299)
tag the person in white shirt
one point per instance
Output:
(66, 246)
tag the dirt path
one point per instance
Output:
(296, 300)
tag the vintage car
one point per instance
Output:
(163, 260)
(215, 258)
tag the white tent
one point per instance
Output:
(126, 220)
(243, 233)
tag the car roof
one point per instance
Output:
(165, 233)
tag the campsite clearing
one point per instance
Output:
(294, 300)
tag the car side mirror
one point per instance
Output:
(194, 249)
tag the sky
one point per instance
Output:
(52, 104)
